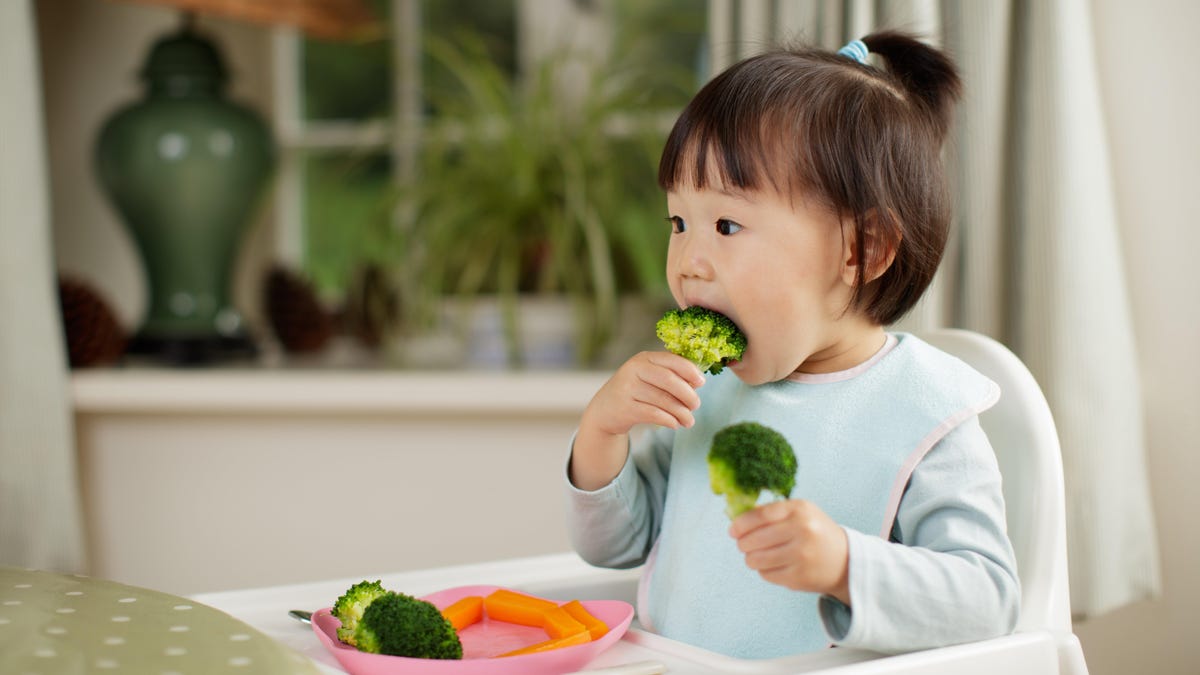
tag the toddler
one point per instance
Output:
(807, 202)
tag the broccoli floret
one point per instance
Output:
(401, 625)
(350, 606)
(747, 458)
(705, 337)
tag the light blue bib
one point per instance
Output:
(857, 440)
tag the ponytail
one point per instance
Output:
(925, 73)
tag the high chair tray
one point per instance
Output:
(566, 577)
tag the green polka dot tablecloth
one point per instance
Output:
(53, 624)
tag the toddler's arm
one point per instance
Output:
(952, 576)
(616, 525)
(650, 388)
(614, 496)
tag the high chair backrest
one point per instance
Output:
(1021, 430)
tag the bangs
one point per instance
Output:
(751, 128)
(747, 153)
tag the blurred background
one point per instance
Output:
(454, 232)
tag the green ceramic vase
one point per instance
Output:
(186, 168)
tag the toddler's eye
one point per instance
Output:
(727, 227)
(677, 224)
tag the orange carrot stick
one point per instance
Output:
(595, 627)
(518, 608)
(559, 624)
(464, 612)
(556, 643)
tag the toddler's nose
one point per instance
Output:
(692, 259)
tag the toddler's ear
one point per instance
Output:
(880, 236)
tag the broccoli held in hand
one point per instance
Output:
(747, 458)
(707, 338)
(384, 622)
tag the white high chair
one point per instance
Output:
(1023, 435)
(1022, 432)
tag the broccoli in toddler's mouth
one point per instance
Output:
(747, 458)
(379, 621)
(705, 337)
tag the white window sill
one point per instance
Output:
(249, 390)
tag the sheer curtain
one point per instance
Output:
(1034, 260)
(40, 520)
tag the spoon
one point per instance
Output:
(300, 615)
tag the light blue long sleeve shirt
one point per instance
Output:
(945, 575)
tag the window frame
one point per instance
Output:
(400, 134)
(296, 135)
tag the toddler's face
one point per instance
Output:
(777, 269)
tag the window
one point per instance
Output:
(349, 117)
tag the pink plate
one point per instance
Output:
(482, 641)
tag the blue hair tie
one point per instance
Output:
(855, 49)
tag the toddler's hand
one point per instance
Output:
(650, 388)
(795, 544)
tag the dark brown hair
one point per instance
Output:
(864, 142)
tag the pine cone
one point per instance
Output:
(372, 307)
(94, 336)
(296, 316)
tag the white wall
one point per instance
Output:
(224, 478)
(1152, 102)
(1145, 52)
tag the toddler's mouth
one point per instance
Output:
(710, 308)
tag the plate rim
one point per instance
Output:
(572, 657)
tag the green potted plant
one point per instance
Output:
(524, 193)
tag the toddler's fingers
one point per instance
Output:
(680, 366)
(765, 537)
(650, 414)
(758, 517)
(770, 558)
(670, 382)
(659, 399)
(674, 388)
